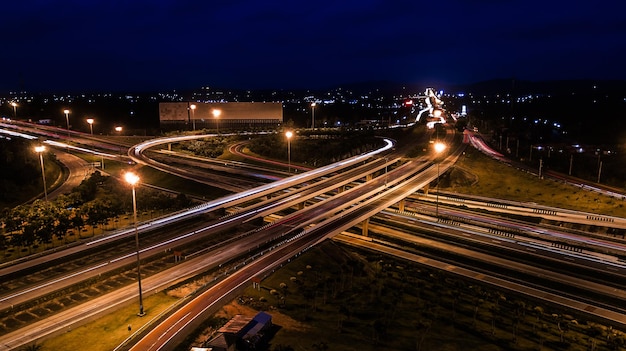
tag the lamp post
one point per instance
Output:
(313, 115)
(216, 115)
(118, 129)
(289, 134)
(193, 115)
(132, 179)
(67, 121)
(90, 121)
(40, 150)
(439, 148)
(14, 110)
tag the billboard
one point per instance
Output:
(228, 111)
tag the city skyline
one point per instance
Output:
(148, 46)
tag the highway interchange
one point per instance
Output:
(329, 201)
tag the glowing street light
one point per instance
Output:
(40, 150)
(90, 121)
(313, 115)
(118, 129)
(289, 134)
(439, 148)
(67, 121)
(216, 115)
(132, 179)
(14, 109)
(193, 115)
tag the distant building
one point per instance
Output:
(241, 333)
(230, 115)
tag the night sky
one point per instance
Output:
(137, 45)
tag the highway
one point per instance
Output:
(307, 228)
(236, 199)
(291, 234)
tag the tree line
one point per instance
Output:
(95, 202)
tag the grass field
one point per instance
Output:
(106, 333)
(476, 174)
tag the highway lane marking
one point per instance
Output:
(173, 325)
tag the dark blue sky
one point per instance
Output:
(137, 45)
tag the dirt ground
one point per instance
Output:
(286, 322)
(234, 308)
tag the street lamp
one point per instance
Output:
(67, 121)
(193, 115)
(439, 148)
(216, 115)
(118, 129)
(14, 110)
(313, 115)
(132, 179)
(90, 121)
(289, 134)
(40, 150)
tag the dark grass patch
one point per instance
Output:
(104, 287)
(78, 297)
(55, 307)
(90, 292)
(123, 280)
(25, 317)
(40, 312)
(12, 323)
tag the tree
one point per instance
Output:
(98, 212)
(31, 347)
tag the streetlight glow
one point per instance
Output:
(132, 179)
(40, 149)
(216, 115)
(313, 115)
(90, 121)
(439, 148)
(14, 109)
(289, 134)
(193, 115)
(67, 121)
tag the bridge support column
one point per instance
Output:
(401, 205)
(368, 177)
(301, 205)
(365, 230)
(169, 146)
(426, 188)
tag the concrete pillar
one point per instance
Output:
(401, 205)
(366, 224)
